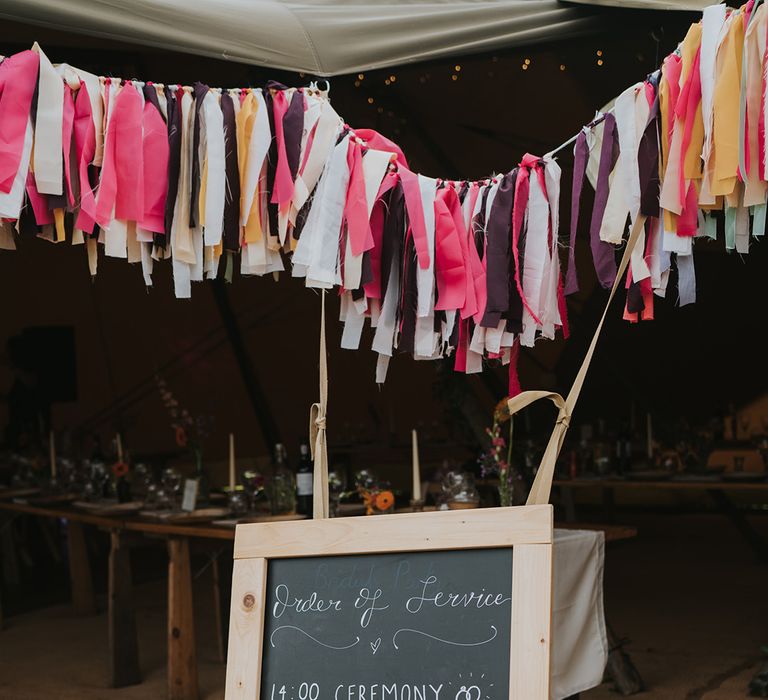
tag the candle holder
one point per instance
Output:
(417, 506)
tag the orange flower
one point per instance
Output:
(368, 501)
(181, 437)
(501, 412)
(385, 500)
(119, 469)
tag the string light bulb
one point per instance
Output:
(599, 52)
(454, 77)
(392, 78)
(357, 83)
(457, 68)
(527, 61)
(599, 61)
(386, 81)
(562, 66)
(361, 76)
(370, 100)
(524, 66)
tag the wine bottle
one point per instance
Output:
(304, 482)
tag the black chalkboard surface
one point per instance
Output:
(406, 626)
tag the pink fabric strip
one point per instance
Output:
(39, 202)
(673, 66)
(460, 359)
(688, 221)
(469, 307)
(449, 262)
(761, 119)
(155, 157)
(413, 205)
(18, 80)
(67, 125)
(105, 199)
(373, 288)
(85, 149)
(356, 207)
(121, 187)
(283, 188)
(687, 110)
(129, 155)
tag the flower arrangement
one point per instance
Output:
(497, 459)
(377, 495)
(189, 431)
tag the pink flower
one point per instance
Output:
(498, 442)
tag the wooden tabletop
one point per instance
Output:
(670, 485)
(613, 533)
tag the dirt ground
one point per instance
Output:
(687, 593)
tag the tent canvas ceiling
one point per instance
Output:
(321, 37)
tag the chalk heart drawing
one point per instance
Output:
(471, 693)
(375, 647)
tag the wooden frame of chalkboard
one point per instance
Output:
(528, 530)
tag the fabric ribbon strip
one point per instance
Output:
(542, 484)
(317, 427)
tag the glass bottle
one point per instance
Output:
(282, 491)
(304, 482)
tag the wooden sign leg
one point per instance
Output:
(123, 639)
(83, 597)
(182, 659)
(531, 622)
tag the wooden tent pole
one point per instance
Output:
(267, 423)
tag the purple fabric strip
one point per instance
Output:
(602, 252)
(293, 126)
(232, 197)
(580, 157)
(497, 251)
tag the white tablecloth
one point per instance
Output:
(579, 640)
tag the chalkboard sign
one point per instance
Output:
(364, 625)
(430, 606)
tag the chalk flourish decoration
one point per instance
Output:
(307, 634)
(446, 641)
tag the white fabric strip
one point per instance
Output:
(383, 339)
(322, 267)
(49, 167)
(535, 259)
(712, 25)
(549, 303)
(116, 239)
(328, 127)
(10, 202)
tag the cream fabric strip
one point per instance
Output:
(317, 430)
(258, 147)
